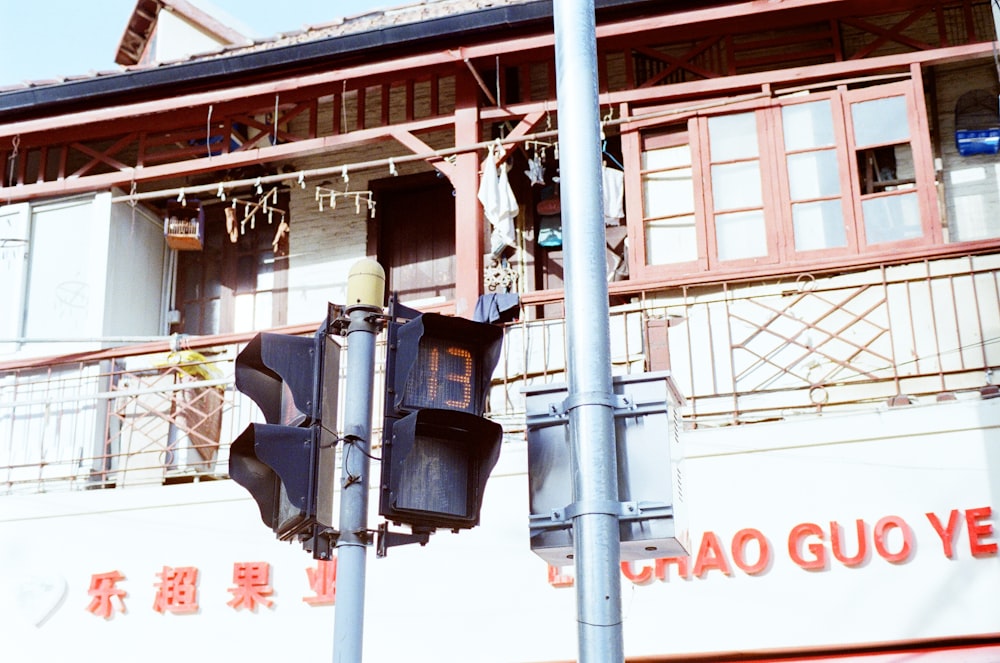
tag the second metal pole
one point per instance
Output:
(365, 292)
(590, 399)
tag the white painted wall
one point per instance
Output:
(14, 228)
(482, 595)
(89, 270)
(177, 39)
(136, 263)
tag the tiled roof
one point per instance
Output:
(135, 34)
(415, 12)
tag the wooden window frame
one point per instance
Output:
(782, 255)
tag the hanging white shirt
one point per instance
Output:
(614, 195)
(499, 204)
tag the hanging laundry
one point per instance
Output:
(499, 204)
(614, 195)
(536, 170)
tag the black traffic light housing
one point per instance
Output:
(287, 464)
(437, 448)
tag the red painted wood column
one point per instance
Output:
(468, 212)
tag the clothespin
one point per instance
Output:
(343, 174)
(392, 168)
(221, 193)
(180, 197)
(302, 179)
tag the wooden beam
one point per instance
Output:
(418, 146)
(147, 173)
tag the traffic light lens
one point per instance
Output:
(436, 478)
(441, 377)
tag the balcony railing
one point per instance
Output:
(739, 353)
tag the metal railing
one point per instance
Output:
(739, 353)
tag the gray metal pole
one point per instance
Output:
(591, 398)
(365, 290)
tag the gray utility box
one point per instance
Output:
(652, 517)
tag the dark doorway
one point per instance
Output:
(414, 238)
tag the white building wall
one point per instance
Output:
(482, 595)
(136, 263)
(14, 229)
(176, 39)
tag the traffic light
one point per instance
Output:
(287, 464)
(437, 449)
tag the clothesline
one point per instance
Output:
(388, 162)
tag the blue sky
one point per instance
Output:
(44, 39)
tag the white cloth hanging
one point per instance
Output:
(499, 204)
(614, 195)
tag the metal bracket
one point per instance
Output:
(627, 511)
(387, 539)
(322, 542)
(340, 324)
(614, 401)
(623, 406)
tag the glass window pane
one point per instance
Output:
(263, 307)
(192, 283)
(736, 185)
(807, 126)
(243, 318)
(265, 272)
(818, 225)
(192, 319)
(671, 241)
(668, 193)
(213, 276)
(741, 235)
(880, 121)
(212, 323)
(246, 273)
(666, 157)
(733, 136)
(891, 218)
(813, 174)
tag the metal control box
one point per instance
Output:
(651, 511)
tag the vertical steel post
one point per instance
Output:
(365, 292)
(590, 399)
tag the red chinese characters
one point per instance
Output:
(103, 588)
(813, 547)
(557, 579)
(177, 590)
(253, 585)
(323, 583)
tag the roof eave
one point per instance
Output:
(203, 72)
